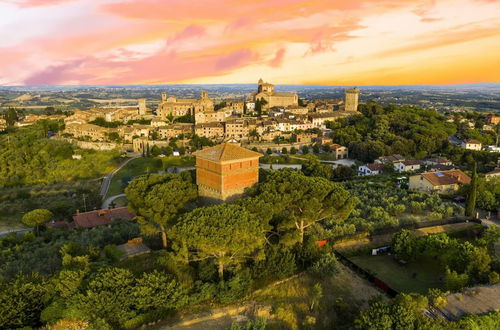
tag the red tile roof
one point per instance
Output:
(101, 217)
(447, 177)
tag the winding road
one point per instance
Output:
(107, 179)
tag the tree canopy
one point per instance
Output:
(227, 233)
(158, 199)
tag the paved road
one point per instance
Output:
(107, 179)
(17, 231)
(109, 200)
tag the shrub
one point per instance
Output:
(279, 263)
(113, 253)
(237, 287)
(326, 266)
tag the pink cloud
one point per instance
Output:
(40, 3)
(278, 58)
(189, 32)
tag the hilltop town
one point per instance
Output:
(220, 205)
(268, 119)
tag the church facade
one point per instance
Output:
(266, 92)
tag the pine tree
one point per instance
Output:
(470, 204)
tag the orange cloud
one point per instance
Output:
(133, 41)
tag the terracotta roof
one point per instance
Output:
(471, 141)
(226, 152)
(336, 146)
(101, 217)
(446, 177)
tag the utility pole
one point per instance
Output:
(84, 203)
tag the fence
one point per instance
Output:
(370, 277)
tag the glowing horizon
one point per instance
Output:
(321, 42)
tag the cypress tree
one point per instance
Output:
(470, 204)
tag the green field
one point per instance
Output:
(140, 166)
(400, 277)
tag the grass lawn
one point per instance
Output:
(400, 277)
(142, 165)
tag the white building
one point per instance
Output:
(370, 169)
(471, 144)
(407, 166)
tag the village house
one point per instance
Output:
(297, 110)
(471, 144)
(90, 131)
(320, 119)
(88, 220)
(305, 137)
(209, 117)
(370, 169)
(224, 172)
(389, 159)
(438, 161)
(236, 129)
(409, 165)
(493, 119)
(235, 107)
(444, 182)
(209, 130)
(340, 152)
(174, 130)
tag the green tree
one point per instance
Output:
(158, 290)
(404, 245)
(284, 151)
(305, 149)
(158, 199)
(293, 150)
(37, 217)
(470, 203)
(227, 233)
(297, 202)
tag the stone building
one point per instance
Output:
(92, 132)
(181, 107)
(209, 117)
(351, 99)
(266, 92)
(237, 129)
(224, 172)
(209, 130)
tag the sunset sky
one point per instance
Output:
(331, 42)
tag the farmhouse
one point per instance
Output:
(441, 182)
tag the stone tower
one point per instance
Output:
(163, 97)
(142, 106)
(351, 99)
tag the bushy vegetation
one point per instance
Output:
(383, 205)
(61, 198)
(466, 262)
(383, 130)
(406, 311)
(29, 157)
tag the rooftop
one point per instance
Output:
(446, 177)
(226, 152)
(101, 217)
